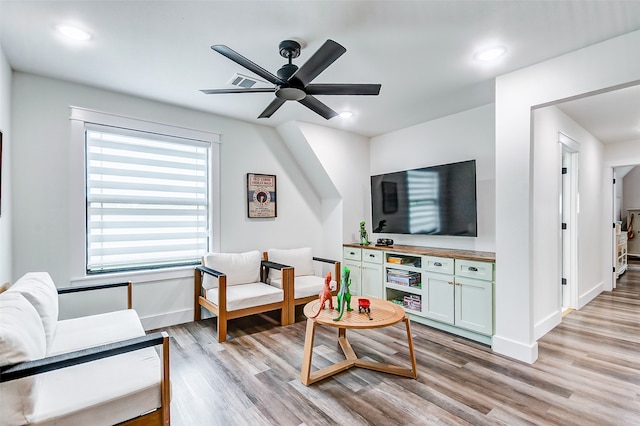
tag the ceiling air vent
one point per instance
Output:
(245, 82)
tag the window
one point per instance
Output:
(147, 199)
(145, 196)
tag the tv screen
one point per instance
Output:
(437, 200)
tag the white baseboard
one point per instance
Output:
(546, 325)
(590, 295)
(167, 319)
(522, 352)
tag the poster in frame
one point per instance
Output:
(261, 195)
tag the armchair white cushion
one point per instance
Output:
(300, 258)
(22, 338)
(240, 268)
(38, 288)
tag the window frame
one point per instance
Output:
(78, 216)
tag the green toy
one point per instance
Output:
(364, 236)
(344, 297)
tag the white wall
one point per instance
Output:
(631, 191)
(42, 164)
(6, 258)
(605, 65)
(546, 235)
(345, 159)
(622, 153)
(464, 136)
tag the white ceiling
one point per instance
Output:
(420, 51)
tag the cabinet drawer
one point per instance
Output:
(474, 269)
(350, 253)
(442, 265)
(372, 256)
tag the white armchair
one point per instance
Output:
(229, 285)
(307, 282)
(100, 369)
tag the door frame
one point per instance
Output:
(569, 269)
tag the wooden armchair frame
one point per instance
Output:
(160, 416)
(293, 302)
(220, 310)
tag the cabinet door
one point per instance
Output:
(438, 301)
(354, 276)
(474, 305)
(371, 280)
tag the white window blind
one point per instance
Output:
(147, 199)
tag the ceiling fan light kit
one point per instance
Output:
(292, 83)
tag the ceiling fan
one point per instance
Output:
(292, 83)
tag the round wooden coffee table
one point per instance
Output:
(383, 314)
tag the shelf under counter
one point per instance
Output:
(404, 288)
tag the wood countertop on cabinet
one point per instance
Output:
(483, 256)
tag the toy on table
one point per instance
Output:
(364, 305)
(344, 297)
(325, 294)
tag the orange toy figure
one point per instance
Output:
(325, 295)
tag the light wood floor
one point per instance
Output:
(587, 373)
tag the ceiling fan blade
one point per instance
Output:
(221, 91)
(318, 107)
(343, 89)
(251, 66)
(318, 62)
(271, 108)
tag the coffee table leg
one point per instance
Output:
(412, 354)
(308, 352)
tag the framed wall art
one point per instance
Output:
(261, 195)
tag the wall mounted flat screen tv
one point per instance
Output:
(436, 200)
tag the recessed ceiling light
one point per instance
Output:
(490, 54)
(73, 33)
(346, 114)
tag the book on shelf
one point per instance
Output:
(404, 281)
(400, 260)
(409, 278)
(412, 301)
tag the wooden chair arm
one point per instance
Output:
(56, 362)
(209, 271)
(76, 289)
(320, 259)
(337, 276)
(269, 264)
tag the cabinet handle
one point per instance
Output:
(450, 282)
(372, 255)
(437, 264)
(473, 268)
(352, 253)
